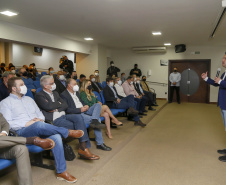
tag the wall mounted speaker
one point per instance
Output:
(180, 48)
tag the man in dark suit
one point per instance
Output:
(53, 107)
(60, 81)
(140, 91)
(95, 85)
(90, 115)
(15, 148)
(221, 83)
(113, 100)
(4, 92)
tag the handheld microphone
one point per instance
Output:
(218, 72)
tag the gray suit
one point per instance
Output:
(14, 147)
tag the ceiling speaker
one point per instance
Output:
(180, 48)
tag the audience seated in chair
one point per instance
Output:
(4, 92)
(81, 79)
(15, 148)
(89, 99)
(91, 115)
(97, 76)
(31, 73)
(12, 69)
(74, 75)
(129, 89)
(147, 91)
(140, 91)
(114, 100)
(123, 77)
(3, 68)
(53, 107)
(24, 117)
(60, 82)
(27, 81)
(95, 85)
(50, 71)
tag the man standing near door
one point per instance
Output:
(175, 78)
(221, 82)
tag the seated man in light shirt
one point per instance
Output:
(53, 107)
(24, 117)
(90, 115)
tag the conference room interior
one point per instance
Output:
(180, 142)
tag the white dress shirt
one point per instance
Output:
(120, 90)
(76, 100)
(175, 77)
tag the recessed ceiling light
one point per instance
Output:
(8, 13)
(88, 38)
(156, 33)
(167, 44)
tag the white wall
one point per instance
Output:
(102, 62)
(24, 54)
(21, 34)
(125, 60)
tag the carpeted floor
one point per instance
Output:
(178, 147)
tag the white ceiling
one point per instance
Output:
(122, 23)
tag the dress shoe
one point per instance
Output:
(86, 154)
(222, 151)
(65, 176)
(154, 104)
(75, 133)
(178, 102)
(145, 111)
(46, 144)
(152, 109)
(132, 111)
(96, 124)
(141, 113)
(104, 147)
(169, 102)
(222, 158)
(139, 123)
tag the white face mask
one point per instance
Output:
(61, 77)
(135, 79)
(76, 88)
(13, 71)
(23, 89)
(138, 81)
(96, 74)
(53, 87)
(112, 64)
(93, 79)
(131, 82)
(119, 82)
(111, 84)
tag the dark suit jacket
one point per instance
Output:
(109, 96)
(46, 105)
(71, 109)
(4, 92)
(113, 71)
(4, 125)
(136, 86)
(59, 86)
(95, 86)
(222, 91)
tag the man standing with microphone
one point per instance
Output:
(221, 82)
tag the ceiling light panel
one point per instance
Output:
(8, 13)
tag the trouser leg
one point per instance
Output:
(42, 130)
(20, 153)
(223, 113)
(178, 94)
(94, 111)
(171, 93)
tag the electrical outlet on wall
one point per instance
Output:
(165, 92)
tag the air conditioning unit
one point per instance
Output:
(149, 49)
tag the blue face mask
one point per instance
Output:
(51, 72)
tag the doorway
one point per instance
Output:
(193, 88)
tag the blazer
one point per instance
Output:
(59, 86)
(109, 96)
(6, 141)
(136, 87)
(145, 86)
(94, 86)
(46, 105)
(71, 109)
(4, 92)
(222, 91)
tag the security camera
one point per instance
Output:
(224, 3)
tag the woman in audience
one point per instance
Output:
(89, 99)
(96, 75)
(50, 71)
(31, 73)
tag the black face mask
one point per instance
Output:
(135, 67)
(75, 77)
(175, 70)
(144, 79)
(25, 73)
(89, 87)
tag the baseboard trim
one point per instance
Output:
(161, 99)
(215, 103)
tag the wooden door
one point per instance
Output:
(201, 94)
